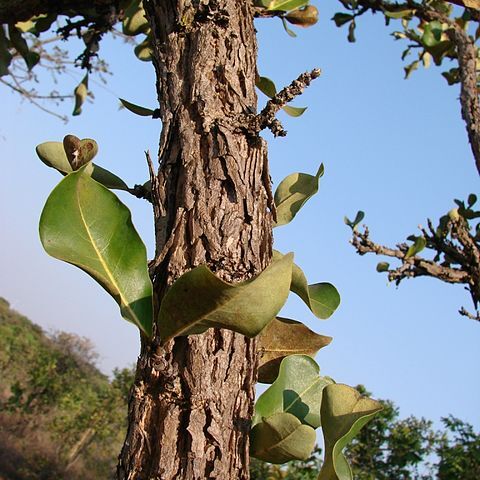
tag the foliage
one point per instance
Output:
(390, 448)
(52, 394)
(453, 245)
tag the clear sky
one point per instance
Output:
(396, 149)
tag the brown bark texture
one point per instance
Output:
(190, 408)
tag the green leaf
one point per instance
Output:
(137, 109)
(399, 13)
(283, 337)
(294, 111)
(5, 56)
(287, 29)
(20, 44)
(135, 21)
(293, 192)
(321, 298)
(303, 17)
(358, 218)
(80, 93)
(108, 179)
(199, 300)
(143, 51)
(85, 224)
(286, 5)
(344, 412)
(53, 155)
(432, 34)
(281, 438)
(472, 200)
(383, 267)
(342, 18)
(297, 390)
(266, 86)
(351, 31)
(418, 245)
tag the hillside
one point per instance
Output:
(60, 417)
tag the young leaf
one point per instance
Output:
(418, 245)
(107, 178)
(344, 412)
(297, 390)
(137, 109)
(342, 18)
(283, 337)
(143, 50)
(84, 224)
(266, 86)
(472, 200)
(286, 5)
(281, 438)
(358, 218)
(293, 192)
(199, 300)
(288, 30)
(53, 155)
(135, 21)
(79, 152)
(80, 92)
(383, 267)
(303, 17)
(294, 111)
(321, 298)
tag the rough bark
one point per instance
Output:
(190, 409)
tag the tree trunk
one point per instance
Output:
(191, 404)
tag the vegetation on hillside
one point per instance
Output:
(61, 418)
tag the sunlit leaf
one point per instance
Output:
(137, 109)
(303, 17)
(199, 300)
(143, 51)
(85, 224)
(297, 390)
(80, 93)
(321, 298)
(383, 267)
(293, 192)
(134, 21)
(397, 14)
(286, 5)
(280, 438)
(266, 86)
(418, 245)
(287, 29)
(294, 111)
(344, 412)
(53, 155)
(283, 337)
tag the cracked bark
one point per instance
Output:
(190, 408)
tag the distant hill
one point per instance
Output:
(60, 417)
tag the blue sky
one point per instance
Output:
(396, 149)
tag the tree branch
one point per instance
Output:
(460, 264)
(266, 118)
